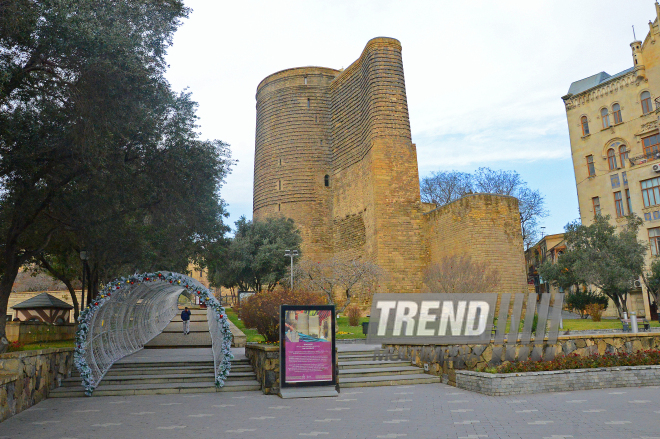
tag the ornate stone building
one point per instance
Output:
(334, 152)
(615, 144)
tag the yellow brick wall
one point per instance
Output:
(485, 227)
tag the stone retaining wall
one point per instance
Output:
(265, 361)
(501, 384)
(27, 377)
(32, 332)
(445, 360)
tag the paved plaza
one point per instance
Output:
(419, 411)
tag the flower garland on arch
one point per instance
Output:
(105, 294)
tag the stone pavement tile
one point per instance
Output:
(424, 411)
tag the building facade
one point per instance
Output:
(334, 152)
(615, 145)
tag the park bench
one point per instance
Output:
(642, 324)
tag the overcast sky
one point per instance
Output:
(484, 79)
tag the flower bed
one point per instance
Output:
(574, 361)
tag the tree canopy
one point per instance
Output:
(255, 259)
(601, 256)
(97, 152)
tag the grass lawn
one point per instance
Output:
(587, 324)
(42, 345)
(345, 331)
(251, 334)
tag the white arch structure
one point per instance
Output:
(129, 312)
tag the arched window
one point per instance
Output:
(646, 102)
(606, 118)
(326, 180)
(585, 125)
(623, 155)
(616, 110)
(611, 158)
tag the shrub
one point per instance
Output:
(578, 301)
(574, 361)
(595, 310)
(262, 310)
(354, 313)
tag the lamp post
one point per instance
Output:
(83, 258)
(291, 254)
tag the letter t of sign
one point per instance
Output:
(385, 306)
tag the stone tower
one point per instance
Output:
(333, 152)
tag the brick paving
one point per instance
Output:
(418, 411)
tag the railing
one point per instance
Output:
(130, 312)
(649, 156)
(657, 104)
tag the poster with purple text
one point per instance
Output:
(308, 345)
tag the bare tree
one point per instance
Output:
(460, 274)
(353, 278)
(444, 187)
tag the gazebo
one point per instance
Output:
(44, 308)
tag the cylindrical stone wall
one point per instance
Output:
(293, 154)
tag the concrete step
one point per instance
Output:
(370, 363)
(172, 364)
(178, 340)
(194, 327)
(156, 389)
(171, 370)
(355, 356)
(389, 380)
(378, 371)
(161, 379)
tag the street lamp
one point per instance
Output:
(83, 258)
(291, 254)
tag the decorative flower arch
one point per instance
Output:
(123, 335)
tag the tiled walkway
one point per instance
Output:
(423, 411)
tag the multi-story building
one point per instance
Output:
(615, 145)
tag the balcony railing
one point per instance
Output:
(657, 104)
(649, 156)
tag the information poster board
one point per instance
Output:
(307, 345)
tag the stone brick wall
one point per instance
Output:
(445, 360)
(27, 377)
(485, 227)
(501, 384)
(265, 361)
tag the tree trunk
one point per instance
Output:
(348, 302)
(6, 282)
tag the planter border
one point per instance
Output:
(521, 383)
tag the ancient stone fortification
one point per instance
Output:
(334, 152)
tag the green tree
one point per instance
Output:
(598, 255)
(92, 137)
(651, 279)
(255, 259)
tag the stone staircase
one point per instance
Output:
(170, 363)
(357, 368)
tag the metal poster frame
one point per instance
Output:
(283, 310)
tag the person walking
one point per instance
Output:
(185, 316)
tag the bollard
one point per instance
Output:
(625, 315)
(633, 323)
